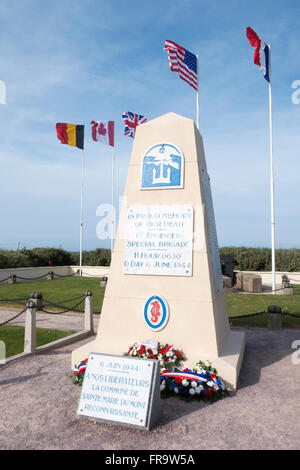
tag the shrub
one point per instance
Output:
(260, 259)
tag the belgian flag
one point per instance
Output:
(70, 134)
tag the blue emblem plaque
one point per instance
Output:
(162, 167)
(156, 312)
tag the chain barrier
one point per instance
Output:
(94, 275)
(63, 301)
(13, 318)
(39, 277)
(67, 275)
(30, 278)
(295, 315)
(4, 299)
(44, 275)
(247, 315)
(53, 304)
(69, 309)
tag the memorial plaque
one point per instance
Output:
(159, 240)
(121, 390)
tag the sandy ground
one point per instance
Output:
(38, 403)
(62, 321)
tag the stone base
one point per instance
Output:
(275, 321)
(228, 364)
(248, 282)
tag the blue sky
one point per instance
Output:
(66, 61)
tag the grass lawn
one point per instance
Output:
(57, 291)
(13, 337)
(242, 304)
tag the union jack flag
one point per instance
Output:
(131, 121)
(184, 62)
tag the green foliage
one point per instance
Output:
(207, 365)
(259, 259)
(36, 257)
(52, 256)
(98, 257)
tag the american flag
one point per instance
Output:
(131, 121)
(182, 61)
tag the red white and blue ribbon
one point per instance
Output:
(81, 368)
(206, 378)
(184, 375)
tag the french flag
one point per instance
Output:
(261, 53)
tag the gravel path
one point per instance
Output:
(39, 402)
(63, 321)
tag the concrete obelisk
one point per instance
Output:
(165, 281)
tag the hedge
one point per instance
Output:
(246, 259)
(260, 259)
(52, 256)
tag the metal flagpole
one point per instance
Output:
(272, 180)
(81, 212)
(197, 96)
(112, 201)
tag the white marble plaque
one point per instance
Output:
(159, 240)
(117, 389)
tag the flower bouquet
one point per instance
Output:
(78, 372)
(168, 356)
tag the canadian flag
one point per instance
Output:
(103, 131)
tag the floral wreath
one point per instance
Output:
(201, 383)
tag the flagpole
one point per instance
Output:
(81, 212)
(197, 96)
(112, 200)
(272, 181)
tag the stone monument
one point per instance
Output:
(165, 280)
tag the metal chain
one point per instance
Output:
(69, 309)
(38, 277)
(67, 275)
(248, 315)
(63, 301)
(13, 318)
(291, 314)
